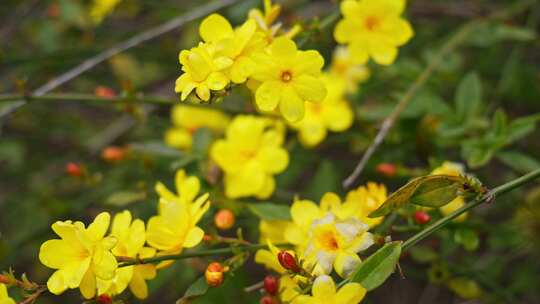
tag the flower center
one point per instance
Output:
(327, 240)
(286, 76)
(248, 154)
(371, 23)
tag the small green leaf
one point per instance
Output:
(465, 288)
(518, 161)
(201, 141)
(468, 97)
(197, 289)
(373, 271)
(437, 192)
(522, 126)
(155, 148)
(467, 238)
(123, 198)
(270, 212)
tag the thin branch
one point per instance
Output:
(127, 261)
(121, 47)
(419, 82)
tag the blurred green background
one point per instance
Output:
(480, 108)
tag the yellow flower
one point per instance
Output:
(80, 256)
(250, 155)
(101, 8)
(450, 168)
(324, 239)
(324, 291)
(373, 28)
(238, 45)
(187, 120)
(364, 200)
(272, 230)
(131, 239)
(344, 68)
(334, 114)
(175, 226)
(203, 71)
(288, 78)
(4, 298)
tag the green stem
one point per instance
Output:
(110, 100)
(202, 253)
(488, 197)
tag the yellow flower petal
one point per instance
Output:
(382, 53)
(214, 28)
(58, 253)
(88, 285)
(56, 283)
(99, 226)
(345, 263)
(273, 159)
(351, 293)
(324, 288)
(291, 106)
(309, 88)
(194, 237)
(268, 95)
(304, 212)
(106, 266)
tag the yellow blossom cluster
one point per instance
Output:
(250, 155)
(86, 257)
(326, 237)
(283, 77)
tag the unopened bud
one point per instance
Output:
(288, 261)
(104, 299)
(113, 154)
(214, 274)
(421, 217)
(268, 300)
(74, 169)
(105, 92)
(271, 285)
(387, 169)
(224, 219)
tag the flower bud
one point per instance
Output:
(104, 299)
(105, 92)
(268, 300)
(271, 285)
(224, 219)
(421, 217)
(387, 169)
(113, 154)
(288, 261)
(74, 169)
(214, 274)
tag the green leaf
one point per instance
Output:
(197, 289)
(155, 148)
(423, 254)
(518, 161)
(123, 198)
(500, 123)
(437, 192)
(468, 97)
(429, 191)
(522, 126)
(270, 212)
(373, 271)
(327, 179)
(467, 238)
(465, 288)
(490, 34)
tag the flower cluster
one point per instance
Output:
(86, 257)
(282, 76)
(373, 29)
(250, 155)
(187, 120)
(326, 237)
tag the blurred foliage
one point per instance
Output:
(481, 107)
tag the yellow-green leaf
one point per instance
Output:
(373, 271)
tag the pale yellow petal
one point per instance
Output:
(214, 28)
(194, 237)
(268, 95)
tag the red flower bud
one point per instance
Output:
(224, 219)
(267, 300)
(421, 217)
(387, 169)
(271, 285)
(104, 299)
(74, 169)
(287, 261)
(214, 274)
(113, 154)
